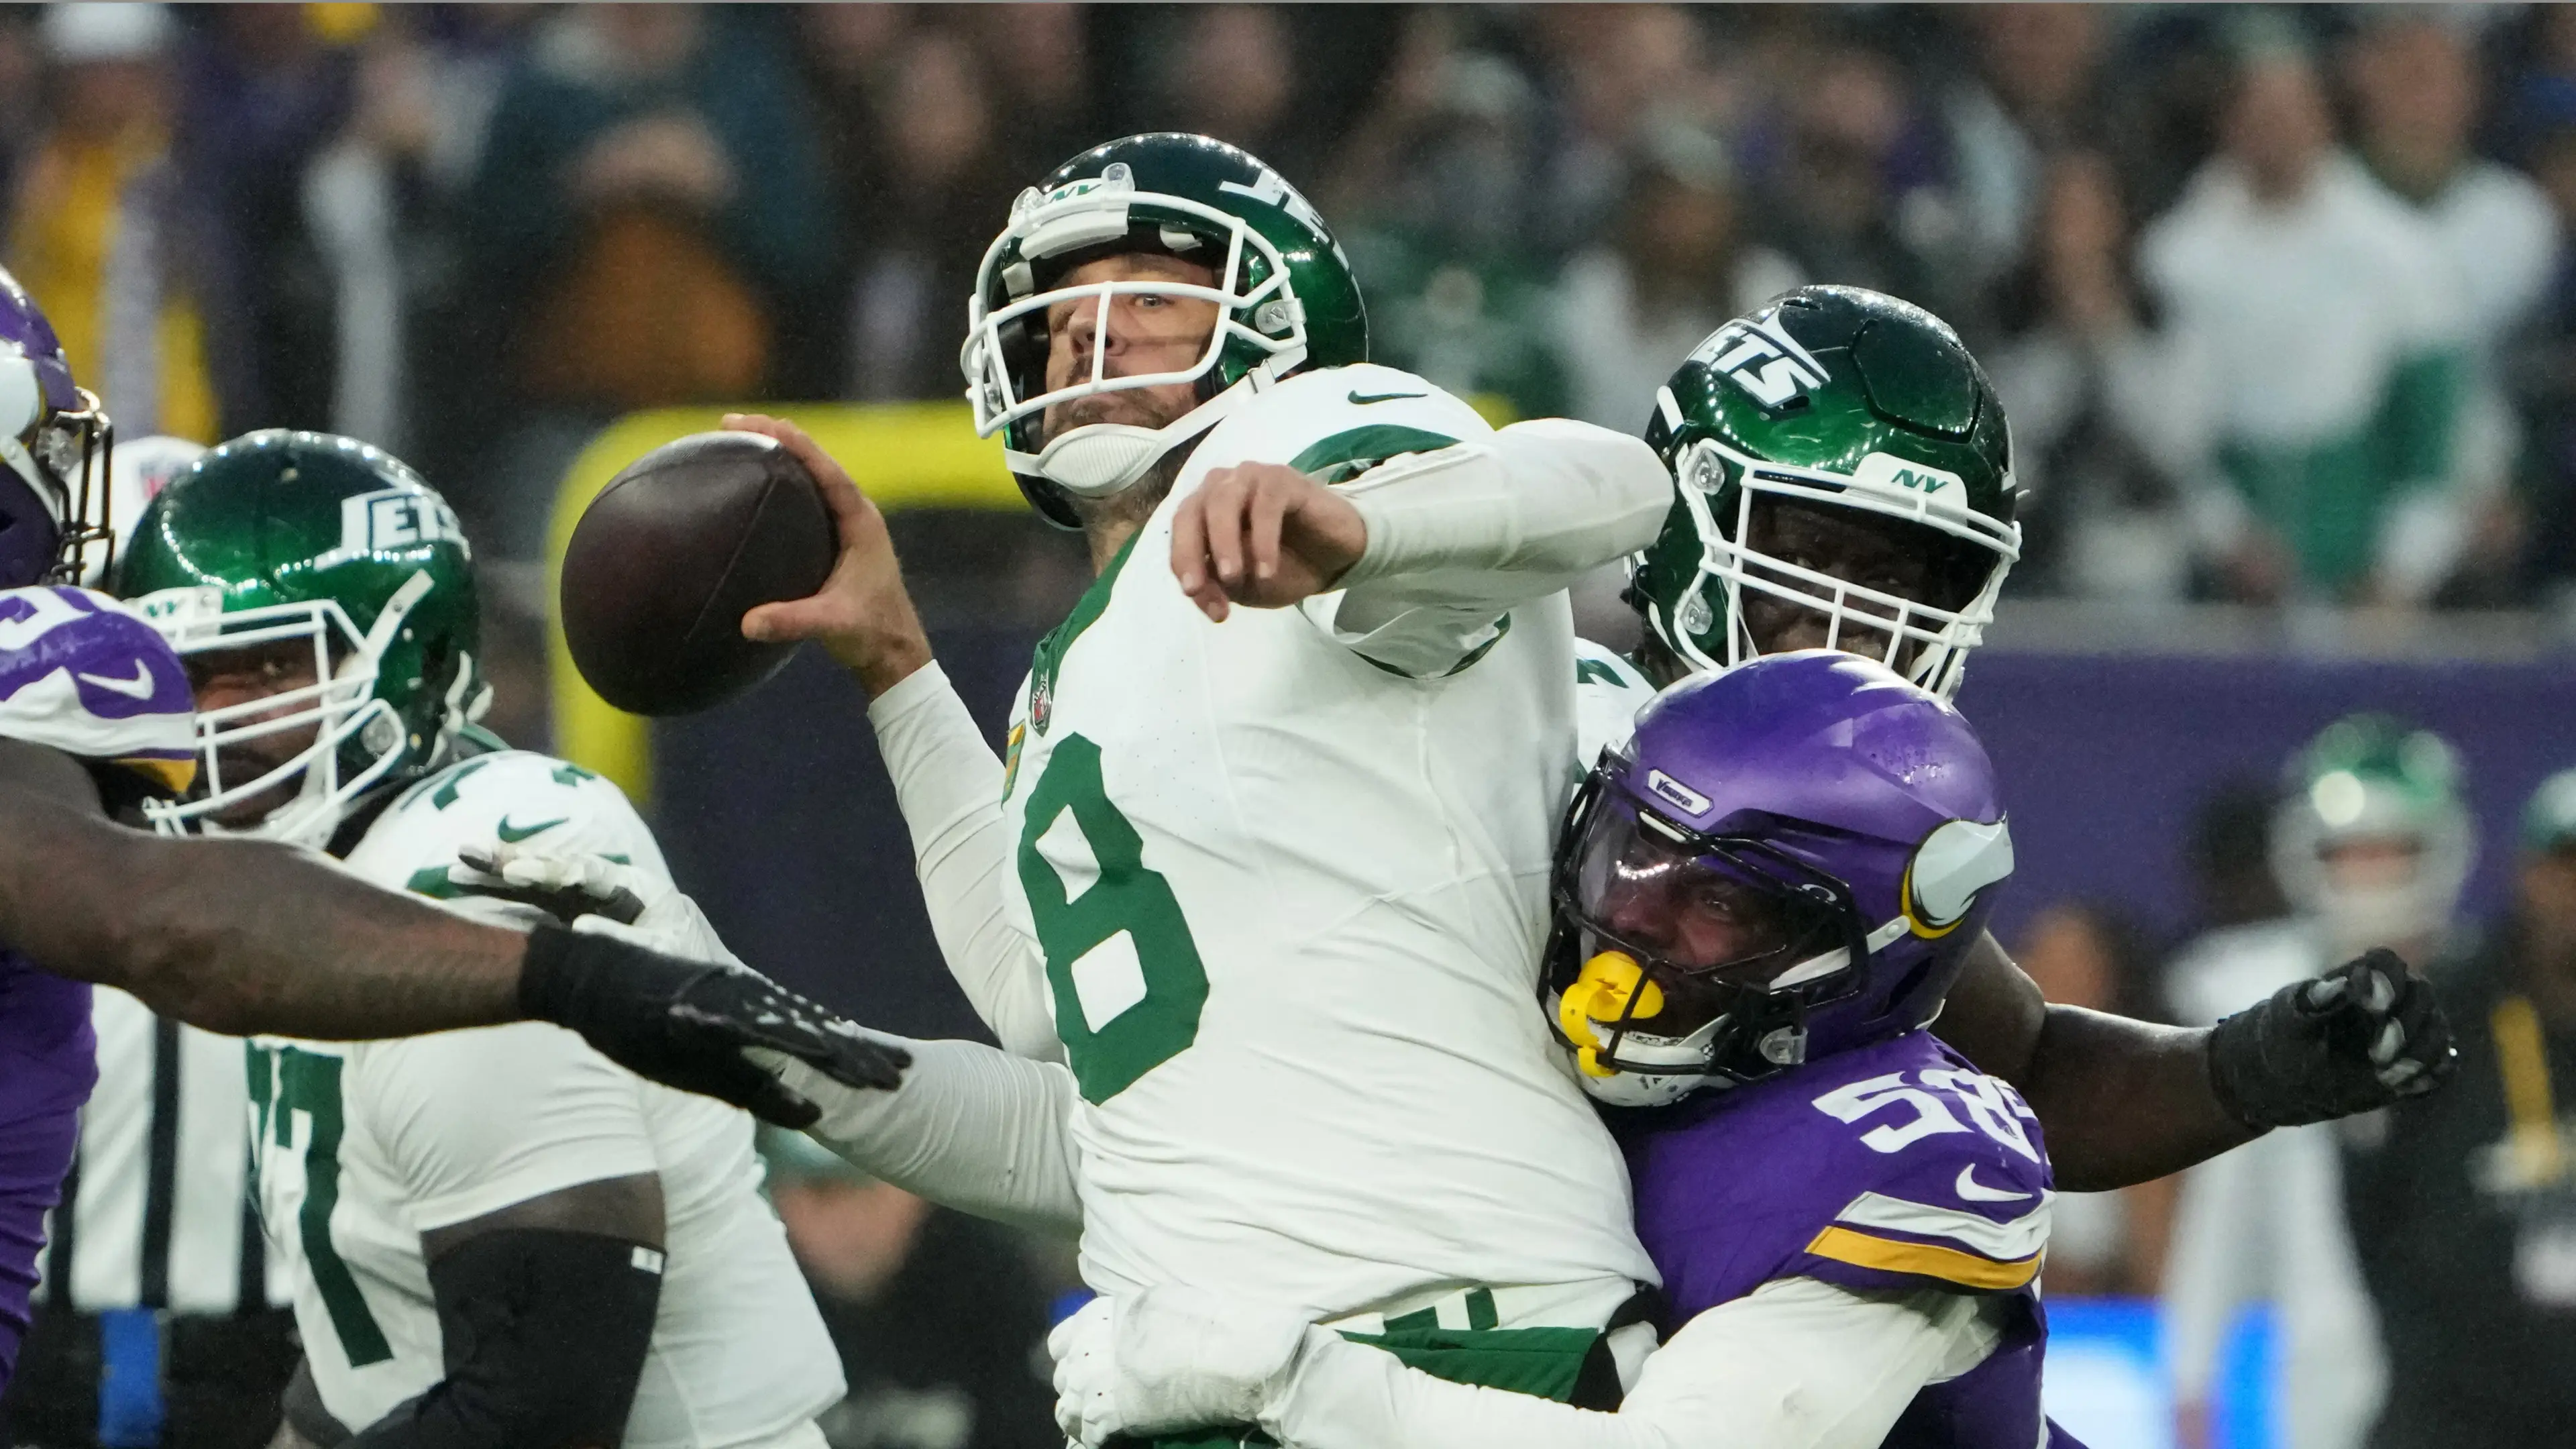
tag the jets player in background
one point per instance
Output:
(236, 937)
(1156, 330)
(1786, 866)
(2371, 844)
(496, 1236)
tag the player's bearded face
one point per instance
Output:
(235, 676)
(1888, 555)
(1145, 333)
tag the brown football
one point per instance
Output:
(670, 555)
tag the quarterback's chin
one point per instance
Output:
(1136, 408)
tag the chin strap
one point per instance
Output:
(1101, 459)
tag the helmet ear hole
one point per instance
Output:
(382, 734)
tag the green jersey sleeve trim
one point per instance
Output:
(1347, 454)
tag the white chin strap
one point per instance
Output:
(1097, 460)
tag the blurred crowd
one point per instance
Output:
(2277, 299)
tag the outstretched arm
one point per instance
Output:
(243, 937)
(234, 936)
(2127, 1101)
(2121, 1101)
(971, 1128)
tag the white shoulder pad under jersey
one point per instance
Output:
(502, 798)
(81, 674)
(1339, 422)
(1608, 692)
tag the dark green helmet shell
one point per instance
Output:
(1293, 302)
(278, 519)
(1838, 396)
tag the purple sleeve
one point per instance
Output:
(48, 1062)
(1895, 1166)
(83, 674)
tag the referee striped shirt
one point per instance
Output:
(156, 1212)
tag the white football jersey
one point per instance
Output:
(363, 1146)
(1291, 904)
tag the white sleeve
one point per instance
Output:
(476, 1121)
(971, 1128)
(1459, 537)
(950, 789)
(1798, 1364)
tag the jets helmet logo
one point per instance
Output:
(391, 518)
(1272, 189)
(1758, 355)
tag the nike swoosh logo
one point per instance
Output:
(512, 834)
(1365, 398)
(1971, 1190)
(139, 687)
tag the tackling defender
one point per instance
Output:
(94, 716)
(495, 1235)
(1803, 847)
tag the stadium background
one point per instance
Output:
(521, 244)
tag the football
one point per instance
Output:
(670, 555)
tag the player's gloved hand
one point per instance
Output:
(2363, 1035)
(564, 885)
(1167, 1359)
(687, 1024)
(569, 885)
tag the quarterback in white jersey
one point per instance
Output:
(1274, 888)
(494, 1233)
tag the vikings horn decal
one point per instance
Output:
(1956, 861)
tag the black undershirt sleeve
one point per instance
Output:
(545, 1334)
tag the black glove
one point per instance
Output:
(685, 1023)
(2363, 1035)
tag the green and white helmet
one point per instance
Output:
(1841, 398)
(1284, 291)
(283, 535)
(2370, 777)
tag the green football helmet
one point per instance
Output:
(282, 535)
(1285, 292)
(2372, 778)
(1831, 398)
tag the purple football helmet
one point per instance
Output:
(1788, 859)
(56, 441)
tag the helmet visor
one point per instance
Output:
(1723, 909)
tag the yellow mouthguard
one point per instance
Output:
(1600, 995)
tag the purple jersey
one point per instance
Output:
(79, 674)
(1893, 1166)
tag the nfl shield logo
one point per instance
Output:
(1041, 695)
